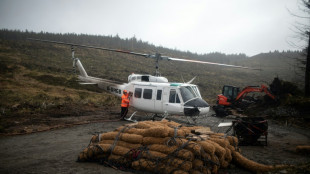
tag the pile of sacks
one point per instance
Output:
(167, 147)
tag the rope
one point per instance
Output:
(116, 140)
(105, 159)
(172, 141)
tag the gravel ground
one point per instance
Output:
(56, 151)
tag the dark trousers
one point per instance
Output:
(124, 112)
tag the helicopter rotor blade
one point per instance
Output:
(154, 56)
(211, 63)
(93, 47)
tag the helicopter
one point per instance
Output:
(149, 93)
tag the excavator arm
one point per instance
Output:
(249, 89)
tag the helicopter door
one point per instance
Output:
(144, 98)
(173, 105)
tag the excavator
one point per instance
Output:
(232, 97)
(248, 130)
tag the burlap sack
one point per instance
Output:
(148, 124)
(215, 168)
(130, 130)
(117, 150)
(180, 164)
(121, 143)
(253, 166)
(183, 153)
(151, 166)
(228, 156)
(221, 141)
(179, 172)
(154, 140)
(232, 140)
(156, 132)
(198, 164)
(150, 154)
(219, 151)
(130, 138)
(207, 146)
(170, 123)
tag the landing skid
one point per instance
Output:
(193, 119)
(190, 120)
(130, 118)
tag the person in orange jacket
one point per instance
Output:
(124, 104)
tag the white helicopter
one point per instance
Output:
(152, 94)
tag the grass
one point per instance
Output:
(28, 89)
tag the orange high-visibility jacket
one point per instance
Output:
(125, 101)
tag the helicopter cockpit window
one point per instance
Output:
(138, 92)
(188, 93)
(177, 99)
(147, 93)
(196, 90)
(173, 97)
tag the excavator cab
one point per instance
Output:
(230, 92)
(228, 96)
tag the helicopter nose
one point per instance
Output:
(196, 107)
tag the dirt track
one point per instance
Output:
(56, 151)
(52, 151)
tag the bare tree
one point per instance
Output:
(303, 31)
(307, 73)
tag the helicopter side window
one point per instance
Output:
(173, 97)
(159, 92)
(138, 92)
(147, 93)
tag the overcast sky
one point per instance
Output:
(201, 26)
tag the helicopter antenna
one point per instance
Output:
(189, 82)
(182, 78)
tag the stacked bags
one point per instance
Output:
(167, 147)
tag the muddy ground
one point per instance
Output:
(56, 151)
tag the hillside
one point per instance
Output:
(285, 65)
(37, 79)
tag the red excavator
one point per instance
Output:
(232, 97)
